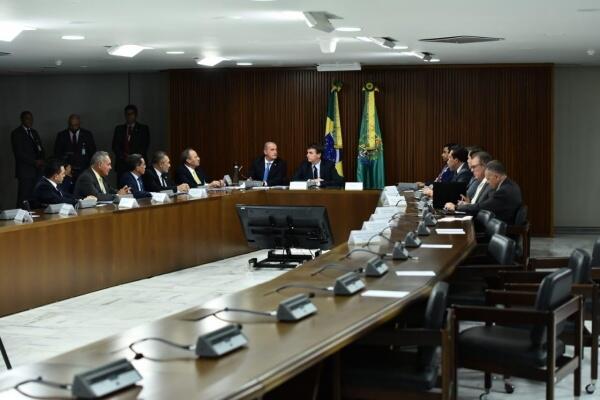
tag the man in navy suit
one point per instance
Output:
(457, 161)
(29, 157)
(136, 166)
(269, 168)
(48, 189)
(316, 171)
(157, 179)
(130, 138)
(191, 173)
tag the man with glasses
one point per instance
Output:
(470, 205)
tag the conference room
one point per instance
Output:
(275, 199)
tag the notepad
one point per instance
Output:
(450, 231)
(415, 273)
(453, 219)
(394, 294)
(436, 246)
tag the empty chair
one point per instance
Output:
(520, 233)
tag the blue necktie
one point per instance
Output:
(267, 169)
(140, 184)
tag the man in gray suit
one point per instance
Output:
(91, 182)
(482, 191)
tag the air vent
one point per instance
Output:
(4, 54)
(462, 39)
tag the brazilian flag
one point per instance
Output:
(333, 129)
(370, 166)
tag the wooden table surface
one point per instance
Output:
(276, 351)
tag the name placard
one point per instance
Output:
(23, 216)
(363, 237)
(197, 193)
(298, 185)
(160, 197)
(353, 186)
(128, 202)
(66, 210)
(376, 226)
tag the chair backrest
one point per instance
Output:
(521, 215)
(554, 290)
(494, 225)
(483, 217)
(434, 319)
(502, 249)
(596, 254)
(579, 264)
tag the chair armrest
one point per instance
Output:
(510, 298)
(522, 287)
(522, 276)
(547, 262)
(403, 337)
(484, 270)
(567, 309)
(502, 316)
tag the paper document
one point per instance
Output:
(450, 231)
(415, 273)
(436, 246)
(394, 294)
(452, 219)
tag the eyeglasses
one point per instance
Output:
(475, 166)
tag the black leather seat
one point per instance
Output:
(520, 233)
(384, 363)
(494, 226)
(482, 218)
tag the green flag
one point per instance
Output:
(333, 129)
(370, 167)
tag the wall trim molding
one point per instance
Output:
(580, 230)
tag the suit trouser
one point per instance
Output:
(25, 190)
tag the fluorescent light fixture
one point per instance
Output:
(210, 61)
(319, 20)
(348, 29)
(175, 52)
(126, 50)
(434, 60)
(383, 42)
(244, 64)
(10, 30)
(338, 67)
(411, 54)
(328, 45)
(72, 37)
(400, 47)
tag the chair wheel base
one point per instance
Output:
(509, 388)
(591, 388)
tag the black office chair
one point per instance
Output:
(5, 355)
(520, 233)
(482, 218)
(534, 353)
(394, 363)
(479, 254)
(469, 282)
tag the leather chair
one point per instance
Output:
(535, 353)
(482, 218)
(393, 363)
(520, 233)
(479, 254)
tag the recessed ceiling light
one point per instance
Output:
(10, 30)
(244, 64)
(73, 37)
(126, 50)
(210, 61)
(175, 52)
(348, 29)
(83, 66)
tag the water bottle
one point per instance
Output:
(236, 174)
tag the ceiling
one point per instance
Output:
(273, 33)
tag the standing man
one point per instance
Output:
(130, 138)
(316, 171)
(157, 179)
(29, 157)
(191, 173)
(76, 145)
(91, 181)
(269, 168)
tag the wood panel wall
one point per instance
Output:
(227, 115)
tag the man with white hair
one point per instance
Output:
(92, 181)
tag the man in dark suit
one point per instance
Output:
(316, 171)
(269, 168)
(191, 173)
(446, 173)
(470, 204)
(130, 138)
(132, 179)
(506, 197)
(473, 183)
(76, 144)
(29, 156)
(48, 189)
(457, 161)
(157, 179)
(91, 181)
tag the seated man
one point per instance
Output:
(91, 181)
(157, 179)
(457, 162)
(473, 183)
(469, 205)
(446, 173)
(191, 173)
(269, 168)
(136, 167)
(48, 191)
(317, 171)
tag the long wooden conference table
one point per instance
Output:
(56, 258)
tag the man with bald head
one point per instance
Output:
(190, 172)
(75, 145)
(269, 168)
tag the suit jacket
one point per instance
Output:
(445, 175)
(26, 152)
(327, 172)
(464, 175)
(153, 183)
(472, 187)
(183, 175)
(78, 154)
(67, 185)
(504, 201)
(128, 179)
(277, 172)
(138, 143)
(473, 208)
(87, 185)
(44, 193)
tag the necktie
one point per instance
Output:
(127, 140)
(163, 182)
(315, 173)
(267, 169)
(59, 192)
(101, 183)
(195, 176)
